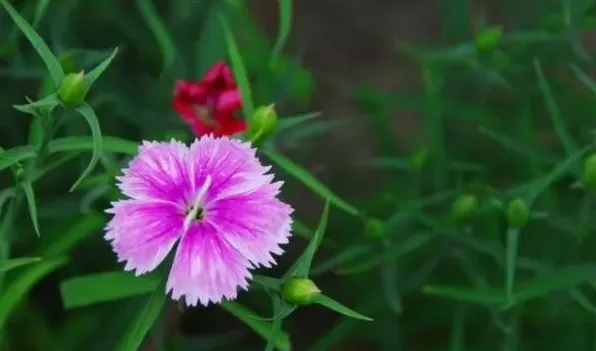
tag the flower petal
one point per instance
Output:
(159, 171)
(206, 268)
(142, 233)
(219, 76)
(228, 102)
(229, 159)
(255, 223)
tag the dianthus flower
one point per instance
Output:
(212, 105)
(216, 200)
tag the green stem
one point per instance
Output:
(510, 263)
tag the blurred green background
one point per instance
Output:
(495, 103)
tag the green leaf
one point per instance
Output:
(13, 263)
(95, 73)
(285, 24)
(39, 45)
(40, 10)
(30, 196)
(15, 291)
(339, 308)
(389, 255)
(267, 282)
(311, 182)
(562, 279)
(104, 287)
(87, 112)
(5, 195)
(584, 78)
(558, 171)
(293, 121)
(345, 256)
(47, 104)
(281, 341)
(301, 267)
(15, 155)
(239, 72)
(466, 294)
(159, 30)
(145, 320)
(553, 111)
(86, 143)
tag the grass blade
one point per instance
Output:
(339, 308)
(15, 155)
(104, 287)
(311, 182)
(30, 197)
(553, 111)
(239, 72)
(95, 73)
(160, 32)
(13, 263)
(85, 143)
(145, 320)
(38, 43)
(285, 24)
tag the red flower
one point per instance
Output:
(211, 105)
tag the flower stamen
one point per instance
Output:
(196, 212)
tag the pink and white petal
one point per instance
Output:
(256, 224)
(206, 268)
(159, 171)
(230, 160)
(142, 233)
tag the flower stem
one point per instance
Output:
(510, 262)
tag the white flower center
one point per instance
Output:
(196, 208)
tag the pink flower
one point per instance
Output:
(212, 105)
(215, 200)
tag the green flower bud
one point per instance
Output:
(419, 158)
(518, 213)
(264, 122)
(300, 291)
(375, 229)
(590, 172)
(73, 89)
(489, 38)
(464, 207)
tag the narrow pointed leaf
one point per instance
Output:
(47, 104)
(159, 30)
(5, 195)
(466, 294)
(339, 308)
(311, 182)
(135, 335)
(15, 155)
(562, 279)
(301, 267)
(30, 197)
(95, 73)
(75, 233)
(13, 263)
(18, 288)
(293, 121)
(104, 287)
(87, 112)
(281, 339)
(38, 43)
(86, 143)
(40, 10)
(584, 78)
(285, 24)
(553, 111)
(239, 71)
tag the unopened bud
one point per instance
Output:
(300, 291)
(264, 122)
(418, 159)
(73, 89)
(590, 172)
(464, 207)
(375, 229)
(518, 213)
(489, 38)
